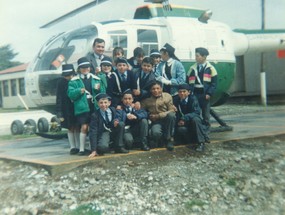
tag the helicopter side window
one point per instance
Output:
(118, 39)
(147, 40)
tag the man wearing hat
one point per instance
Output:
(202, 78)
(81, 90)
(170, 72)
(121, 80)
(104, 126)
(189, 127)
(97, 55)
(65, 110)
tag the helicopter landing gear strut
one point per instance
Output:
(223, 125)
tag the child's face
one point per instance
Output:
(139, 59)
(146, 67)
(156, 60)
(156, 90)
(122, 67)
(183, 94)
(117, 55)
(106, 68)
(84, 71)
(104, 104)
(200, 59)
(127, 99)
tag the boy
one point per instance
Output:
(162, 115)
(105, 125)
(202, 78)
(136, 61)
(188, 120)
(136, 122)
(156, 56)
(81, 90)
(121, 80)
(145, 78)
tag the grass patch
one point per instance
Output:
(88, 209)
(194, 202)
(231, 182)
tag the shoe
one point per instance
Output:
(73, 151)
(81, 153)
(145, 147)
(201, 147)
(207, 140)
(170, 146)
(121, 150)
(87, 151)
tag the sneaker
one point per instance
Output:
(201, 147)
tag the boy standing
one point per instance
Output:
(105, 125)
(81, 90)
(189, 123)
(136, 122)
(162, 115)
(121, 80)
(202, 78)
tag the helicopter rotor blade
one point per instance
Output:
(73, 13)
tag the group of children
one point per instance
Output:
(142, 102)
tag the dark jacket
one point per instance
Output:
(91, 57)
(116, 88)
(140, 114)
(188, 111)
(144, 84)
(98, 126)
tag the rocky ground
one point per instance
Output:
(246, 177)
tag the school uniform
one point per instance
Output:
(144, 81)
(119, 83)
(203, 81)
(64, 106)
(102, 130)
(85, 104)
(136, 131)
(193, 130)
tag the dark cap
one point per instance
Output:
(102, 96)
(67, 70)
(127, 91)
(106, 61)
(155, 53)
(121, 60)
(202, 51)
(184, 87)
(83, 63)
(167, 47)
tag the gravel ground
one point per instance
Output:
(246, 177)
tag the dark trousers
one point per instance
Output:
(205, 107)
(163, 128)
(136, 133)
(116, 135)
(193, 131)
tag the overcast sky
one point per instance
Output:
(20, 20)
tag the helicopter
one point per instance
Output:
(153, 25)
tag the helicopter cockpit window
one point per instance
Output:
(147, 39)
(66, 48)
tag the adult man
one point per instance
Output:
(97, 55)
(162, 115)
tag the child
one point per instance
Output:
(65, 109)
(81, 90)
(136, 122)
(188, 120)
(136, 60)
(105, 125)
(145, 78)
(121, 80)
(156, 56)
(162, 115)
(118, 52)
(106, 70)
(202, 78)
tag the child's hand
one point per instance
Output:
(181, 123)
(131, 116)
(116, 122)
(119, 107)
(136, 92)
(82, 90)
(93, 154)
